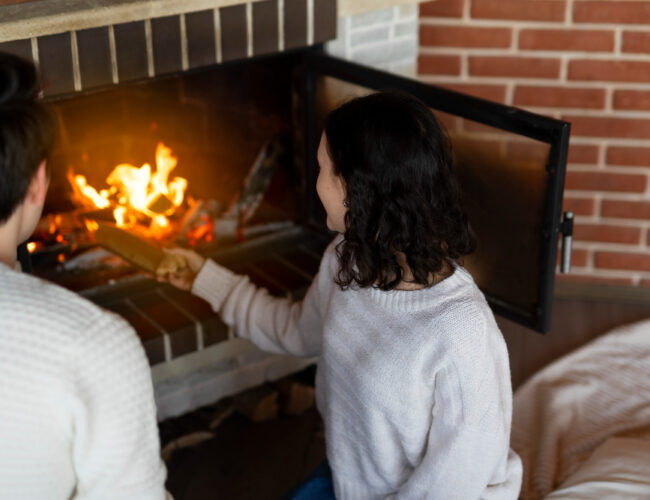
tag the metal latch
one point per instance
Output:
(566, 228)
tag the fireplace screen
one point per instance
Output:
(224, 161)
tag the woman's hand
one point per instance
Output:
(179, 267)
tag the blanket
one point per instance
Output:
(571, 407)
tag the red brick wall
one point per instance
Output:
(584, 61)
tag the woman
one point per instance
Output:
(413, 382)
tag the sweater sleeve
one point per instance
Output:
(116, 448)
(274, 324)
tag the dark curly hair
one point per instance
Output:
(402, 192)
(27, 128)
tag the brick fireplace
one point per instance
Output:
(586, 62)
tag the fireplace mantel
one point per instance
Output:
(39, 17)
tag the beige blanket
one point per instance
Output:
(568, 409)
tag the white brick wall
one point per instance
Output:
(202, 385)
(386, 39)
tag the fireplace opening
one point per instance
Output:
(202, 159)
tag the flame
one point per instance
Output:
(137, 192)
(91, 225)
(90, 192)
(31, 246)
(123, 218)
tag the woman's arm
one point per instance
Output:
(273, 324)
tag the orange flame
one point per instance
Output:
(91, 225)
(140, 191)
(90, 192)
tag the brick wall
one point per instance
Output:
(587, 62)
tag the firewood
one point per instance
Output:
(161, 204)
(131, 248)
(225, 410)
(186, 441)
(256, 183)
(258, 404)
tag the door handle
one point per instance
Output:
(566, 228)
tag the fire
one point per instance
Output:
(91, 225)
(137, 193)
(91, 192)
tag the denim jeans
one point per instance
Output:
(318, 486)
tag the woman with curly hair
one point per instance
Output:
(413, 381)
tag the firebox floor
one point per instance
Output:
(243, 459)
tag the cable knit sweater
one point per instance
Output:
(77, 415)
(413, 386)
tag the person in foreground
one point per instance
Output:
(77, 415)
(413, 381)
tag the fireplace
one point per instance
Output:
(221, 123)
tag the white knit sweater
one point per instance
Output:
(413, 386)
(77, 415)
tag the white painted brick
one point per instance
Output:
(380, 34)
(282, 366)
(408, 11)
(375, 17)
(183, 394)
(386, 39)
(406, 29)
(230, 376)
(251, 357)
(373, 56)
(386, 53)
(338, 47)
(404, 49)
(405, 68)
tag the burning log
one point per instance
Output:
(161, 204)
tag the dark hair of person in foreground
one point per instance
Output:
(27, 129)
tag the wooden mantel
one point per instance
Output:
(21, 19)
